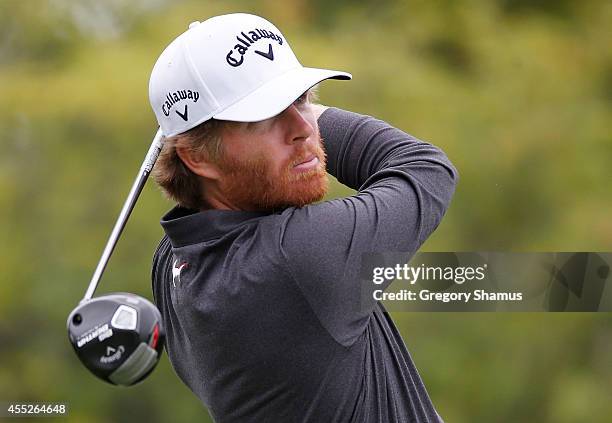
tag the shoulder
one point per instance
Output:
(163, 248)
(161, 257)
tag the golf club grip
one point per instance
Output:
(128, 206)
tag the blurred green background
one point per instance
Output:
(518, 93)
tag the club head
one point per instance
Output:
(118, 337)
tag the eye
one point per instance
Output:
(302, 99)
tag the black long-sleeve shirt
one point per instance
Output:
(263, 311)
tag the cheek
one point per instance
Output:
(277, 160)
(269, 164)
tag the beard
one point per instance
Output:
(251, 185)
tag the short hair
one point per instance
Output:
(174, 178)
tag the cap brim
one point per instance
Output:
(275, 96)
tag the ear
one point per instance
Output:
(198, 163)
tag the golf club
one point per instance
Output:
(119, 336)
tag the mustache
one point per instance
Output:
(306, 153)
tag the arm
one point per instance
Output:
(404, 188)
(362, 151)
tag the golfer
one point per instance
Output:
(257, 283)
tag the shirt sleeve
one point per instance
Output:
(404, 188)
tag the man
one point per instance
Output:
(259, 287)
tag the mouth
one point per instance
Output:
(308, 163)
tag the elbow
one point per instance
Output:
(449, 178)
(454, 178)
(436, 201)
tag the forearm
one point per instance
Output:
(361, 150)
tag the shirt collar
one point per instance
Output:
(185, 226)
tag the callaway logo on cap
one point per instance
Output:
(236, 67)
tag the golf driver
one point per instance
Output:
(119, 336)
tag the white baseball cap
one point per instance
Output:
(236, 67)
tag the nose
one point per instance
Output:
(297, 125)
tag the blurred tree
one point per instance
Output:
(519, 94)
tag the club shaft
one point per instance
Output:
(128, 206)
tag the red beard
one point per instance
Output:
(250, 185)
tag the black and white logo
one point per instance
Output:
(100, 332)
(235, 57)
(176, 271)
(183, 115)
(112, 354)
(177, 96)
